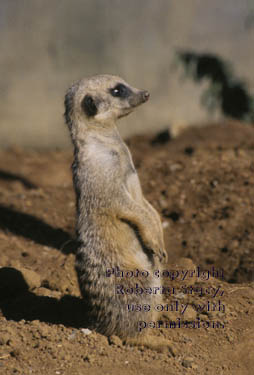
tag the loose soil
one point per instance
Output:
(202, 183)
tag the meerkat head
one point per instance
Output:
(101, 100)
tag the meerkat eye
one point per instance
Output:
(89, 107)
(120, 91)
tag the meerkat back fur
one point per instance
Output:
(116, 226)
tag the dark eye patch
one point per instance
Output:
(120, 91)
(88, 105)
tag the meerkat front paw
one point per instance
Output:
(163, 256)
(155, 343)
(159, 252)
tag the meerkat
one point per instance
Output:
(117, 228)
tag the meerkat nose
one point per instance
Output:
(145, 95)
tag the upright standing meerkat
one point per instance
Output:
(117, 229)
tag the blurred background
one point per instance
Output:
(193, 56)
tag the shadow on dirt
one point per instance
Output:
(8, 176)
(17, 303)
(28, 226)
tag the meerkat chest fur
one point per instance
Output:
(110, 159)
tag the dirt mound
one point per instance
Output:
(202, 183)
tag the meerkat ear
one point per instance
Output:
(88, 105)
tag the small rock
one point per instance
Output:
(4, 338)
(214, 183)
(163, 203)
(187, 362)
(180, 295)
(176, 167)
(86, 331)
(190, 314)
(203, 317)
(35, 323)
(44, 331)
(165, 224)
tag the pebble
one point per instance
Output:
(190, 314)
(165, 224)
(163, 203)
(187, 362)
(176, 167)
(4, 338)
(86, 331)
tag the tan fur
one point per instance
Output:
(116, 226)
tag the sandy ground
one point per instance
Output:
(202, 183)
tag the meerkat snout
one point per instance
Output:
(139, 98)
(101, 100)
(146, 96)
